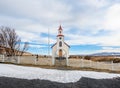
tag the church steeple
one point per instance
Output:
(60, 36)
(60, 30)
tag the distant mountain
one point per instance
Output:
(106, 54)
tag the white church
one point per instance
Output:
(60, 50)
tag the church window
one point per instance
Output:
(60, 38)
(60, 44)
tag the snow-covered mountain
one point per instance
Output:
(106, 54)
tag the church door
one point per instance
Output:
(60, 53)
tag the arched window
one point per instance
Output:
(60, 38)
(60, 44)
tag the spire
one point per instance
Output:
(60, 27)
(60, 31)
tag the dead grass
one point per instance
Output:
(103, 58)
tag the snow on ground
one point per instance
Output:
(64, 76)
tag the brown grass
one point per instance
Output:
(103, 58)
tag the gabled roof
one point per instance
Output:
(67, 44)
(53, 45)
(56, 43)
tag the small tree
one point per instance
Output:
(11, 42)
(25, 48)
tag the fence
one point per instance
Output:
(72, 62)
(97, 65)
(27, 60)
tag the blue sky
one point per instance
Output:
(89, 26)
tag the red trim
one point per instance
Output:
(60, 35)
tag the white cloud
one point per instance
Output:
(97, 21)
(96, 3)
(112, 18)
(109, 49)
(37, 46)
(30, 18)
(44, 10)
(27, 36)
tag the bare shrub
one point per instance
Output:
(11, 42)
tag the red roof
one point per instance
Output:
(60, 28)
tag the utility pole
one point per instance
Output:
(48, 42)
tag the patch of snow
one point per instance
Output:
(64, 76)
